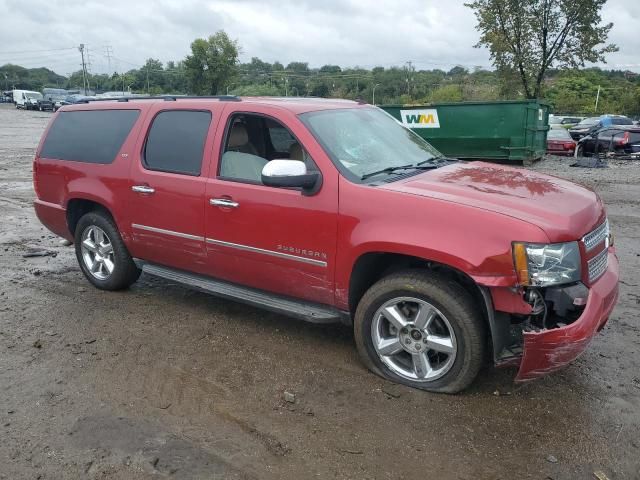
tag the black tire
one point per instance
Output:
(125, 272)
(448, 297)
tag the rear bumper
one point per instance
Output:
(550, 350)
(561, 153)
(54, 217)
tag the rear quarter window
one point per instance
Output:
(91, 136)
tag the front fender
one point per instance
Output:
(474, 241)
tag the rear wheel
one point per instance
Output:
(101, 253)
(421, 330)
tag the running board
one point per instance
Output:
(310, 312)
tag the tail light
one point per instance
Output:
(623, 140)
(569, 146)
(35, 177)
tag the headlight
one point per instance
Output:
(543, 265)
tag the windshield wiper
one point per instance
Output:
(386, 170)
(436, 162)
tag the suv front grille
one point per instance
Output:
(596, 237)
(598, 265)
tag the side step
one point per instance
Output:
(310, 312)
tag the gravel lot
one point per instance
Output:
(160, 381)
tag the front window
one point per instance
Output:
(365, 140)
(33, 95)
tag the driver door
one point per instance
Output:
(275, 239)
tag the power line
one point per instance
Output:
(34, 51)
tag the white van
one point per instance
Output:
(26, 99)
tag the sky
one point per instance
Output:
(121, 34)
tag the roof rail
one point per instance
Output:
(166, 98)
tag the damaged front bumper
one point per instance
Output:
(546, 351)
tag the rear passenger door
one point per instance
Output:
(168, 178)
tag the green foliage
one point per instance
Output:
(532, 36)
(446, 93)
(28, 78)
(575, 91)
(213, 64)
(256, 91)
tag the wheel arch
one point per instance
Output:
(79, 206)
(370, 267)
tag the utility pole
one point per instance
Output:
(597, 99)
(148, 79)
(84, 69)
(108, 52)
(374, 93)
(409, 79)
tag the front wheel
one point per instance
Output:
(101, 253)
(421, 330)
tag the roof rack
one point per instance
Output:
(166, 98)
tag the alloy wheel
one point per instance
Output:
(97, 252)
(413, 339)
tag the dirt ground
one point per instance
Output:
(160, 381)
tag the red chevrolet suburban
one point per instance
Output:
(331, 211)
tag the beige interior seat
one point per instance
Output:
(239, 140)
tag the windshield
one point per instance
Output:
(587, 122)
(555, 120)
(365, 140)
(32, 95)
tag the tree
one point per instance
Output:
(534, 35)
(213, 63)
(150, 76)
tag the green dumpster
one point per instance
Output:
(507, 131)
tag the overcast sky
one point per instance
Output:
(430, 33)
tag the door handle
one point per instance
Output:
(143, 189)
(223, 202)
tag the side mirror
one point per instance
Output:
(290, 174)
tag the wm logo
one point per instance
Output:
(420, 118)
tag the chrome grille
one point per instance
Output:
(598, 265)
(596, 237)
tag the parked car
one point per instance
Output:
(26, 99)
(55, 96)
(559, 142)
(563, 121)
(72, 100)
(592, 124)
(44, 104)
(619, 140)
(331, 211)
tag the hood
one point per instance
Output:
(564, 210)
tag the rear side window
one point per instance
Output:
(176, 141)
(92, 136)
(622, 121)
